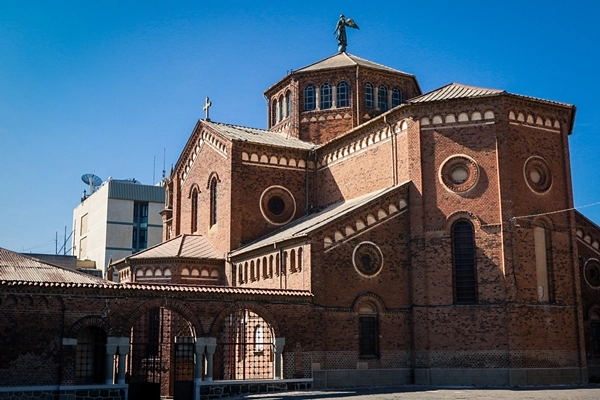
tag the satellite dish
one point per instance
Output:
(92, 180)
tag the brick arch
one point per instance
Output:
(368, 296)
(543, 221)
(210, 178)
(171, 304)
(192, 188)
(258, 309)
(85, 322)
(462, 214)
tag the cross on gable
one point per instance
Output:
(206, 108)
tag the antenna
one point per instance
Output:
(154, 170)
(164, 161)
(92, 180)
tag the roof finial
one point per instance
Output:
(340, 31)
(206, 108)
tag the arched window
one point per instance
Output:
(368, 331)
(382, 98)
(310, 101)
(288, 104)
(274, 109)
(213, 201)
(542, 263)
(396, 97)
(281, 108)
(369, 101)
(194, 210)
(326, 96)
(293, 261)
(343, 95)
(90, 356)
(465, 273)
(299, 265)
(270, 266)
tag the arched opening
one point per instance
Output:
(369, 101)
(382, 98)
(463, 254)
(90, 364)
(213, 201)
(343, 95)
(368, 330)
(161, 359)
(326, 100)
(244, 348)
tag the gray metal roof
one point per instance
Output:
(19, 268)
(460, 91)
(127, 190)
(260, 136)
(182, 246)
(340, 60)
(454, 91)
(305, 225)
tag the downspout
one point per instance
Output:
(306, 206)
(394, 160)
(357, 100)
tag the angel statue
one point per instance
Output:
(340, 31)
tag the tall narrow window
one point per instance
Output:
(396, 97)
(194, 210)
(465, 274)
(281, 108)
(541, 263)
(90, 356)
(343, 95)
(369, 101)
(326, 96)
(213, 201)
(382, 98)
(310, 101)
(274, 110)
(288, 104)
(368, 331)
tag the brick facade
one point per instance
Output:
(340, 233)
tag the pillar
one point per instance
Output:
(123, 351)
(112, 345)
(278, 349)
(211, 346)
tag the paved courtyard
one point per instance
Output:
(446, 393)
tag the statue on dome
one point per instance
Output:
(340, 31)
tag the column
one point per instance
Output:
(112, 345)
(278, 349)
(211, 346)
(123, 351)
(333, 96)
(318, 98)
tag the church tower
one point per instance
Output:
(323, 100)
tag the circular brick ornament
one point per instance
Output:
(537, 174)
(367, 259)
(459, 173)
(277, 205)
(591, 273)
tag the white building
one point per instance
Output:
(120, 218)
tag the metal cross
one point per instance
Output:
(206, 108)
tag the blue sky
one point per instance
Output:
(106, 87)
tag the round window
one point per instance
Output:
(537, 174)
(277, 205)
(459, 173)
(591, 272)
(367, 259)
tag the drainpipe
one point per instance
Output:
(394, 156)
(357, 99)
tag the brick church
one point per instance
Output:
(372, 235)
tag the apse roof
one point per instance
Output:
(307, 224)
(260, 136)
(15, 267)
(345, 60)
(182, 246)
(454, 91)
(460, 91)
